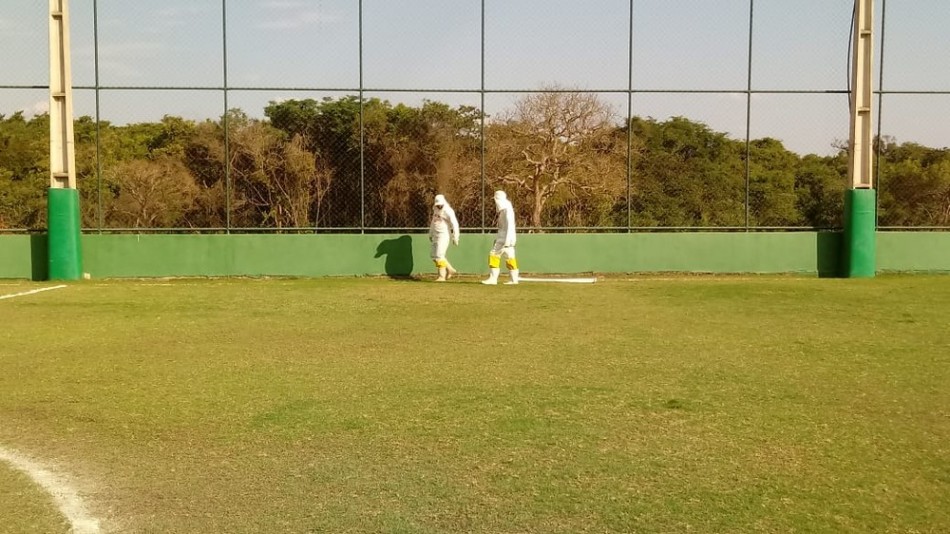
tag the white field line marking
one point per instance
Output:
(65, 497)
(563, 280)
(23, 294)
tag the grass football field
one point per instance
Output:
(638, 404)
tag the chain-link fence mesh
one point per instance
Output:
(350, 115)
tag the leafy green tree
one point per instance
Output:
(330, 131)
(561, 155)
(819, 190)
(22, 204)
(24, 170)
(408, 154)
(772, 195)
(145, 181)
(915, 185)
(686, 175)
(419, 152)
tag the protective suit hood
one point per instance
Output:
(501, 201)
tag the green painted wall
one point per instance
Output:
(24, 256)
(913, 251)
(149, 255)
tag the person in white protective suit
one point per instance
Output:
(443, 226)
(504, 242)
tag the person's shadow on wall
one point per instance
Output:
(39, 257)
(398, 252)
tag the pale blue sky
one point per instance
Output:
(529, 44)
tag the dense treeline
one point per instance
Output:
(563, 157)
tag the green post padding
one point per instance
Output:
(860, 247)
(65, 252)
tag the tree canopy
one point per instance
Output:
(563, 157)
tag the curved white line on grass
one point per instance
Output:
(65, 497)
(25, 293)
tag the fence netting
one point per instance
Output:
(350, 115)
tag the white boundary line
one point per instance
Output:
(23, 294)
(65, 497)
(563, 280)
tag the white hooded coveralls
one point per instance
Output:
(506, 237)
(443, 226)
(505, 241)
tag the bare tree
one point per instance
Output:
(152, 192)
(278, 177)
(556, 145)
(321, 179)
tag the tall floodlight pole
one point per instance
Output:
(860, 198)
(63, 221)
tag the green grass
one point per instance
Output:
(701, 404)
(24, 507)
